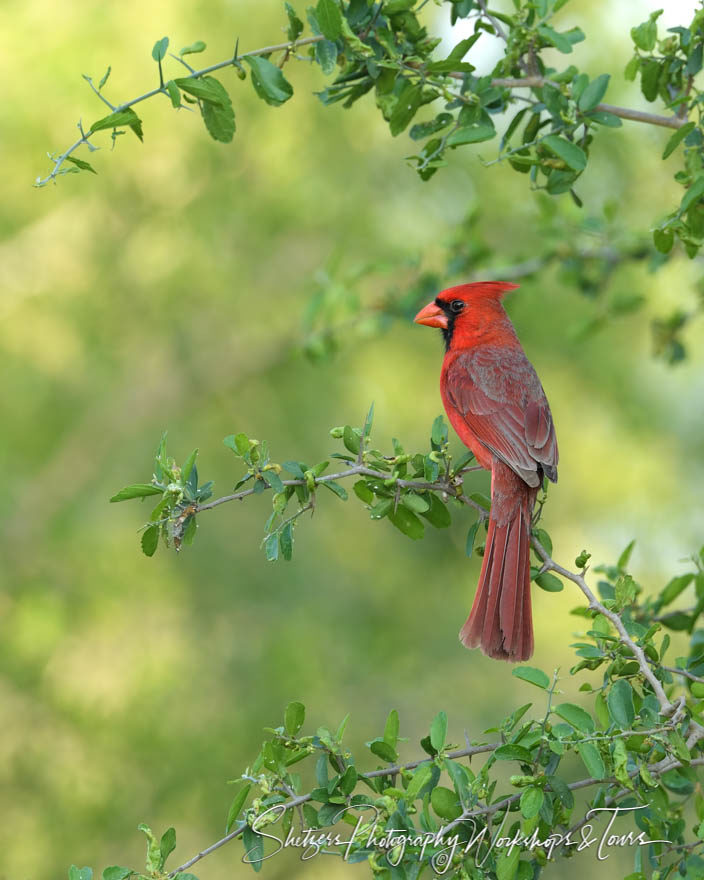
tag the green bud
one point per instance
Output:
(436, 456)
(521, 781)
(310, 479)
(582, 559)
(337, 432)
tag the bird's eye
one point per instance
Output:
(456, 306)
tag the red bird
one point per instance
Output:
(495, 402)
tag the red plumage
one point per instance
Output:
(495, 402)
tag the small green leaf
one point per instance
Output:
(239, 444)
(593, 761)
(391, 729)
(295, 25)
(329, 19)
(406, 108)
(294, 717)
(236, 807)
(273, 480)
(137, 490)
(75, 873)
(219, 117)
(383, 750)
(532, 675)
(677, 138)
(167, 845)
(116, 872)
(513, 752)
(81, 163)
(174, 93)
(663, 239)
(268, 81)
(286, 541)
(336, 489)
(193, 49)
(549, 582)
(159, 50)
(445, 803)
(531, 801)
(188, 466)
(105, 78)
(150, 540)
(439, 431)
(205, 88)
(351, 440)
(570, 153)
(625, 557)
(675, 587)
(326, 56)
(560, 41)
(471, 134)
(253, 848)
(419, 780)
(153, 849)
(120, 117)
(593, 93)
(271, 547)
(620, 703)
(438, 731)
(579, 718)
(471, 535)
(416, 503)
(407, 522)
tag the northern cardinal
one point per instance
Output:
(495, 402)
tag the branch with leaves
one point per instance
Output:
(386, 48)
(640, 743)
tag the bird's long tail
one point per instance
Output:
(500, 622)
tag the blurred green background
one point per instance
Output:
(168, 293)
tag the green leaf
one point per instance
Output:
(193, 49)
(513, 752)
(677, 138)
(120, 117)
(438, 731)
(81, 163)
(294, 717)
(274, 480)
(620, 703)
(268, 81)
(560, 41)
(153, 848)
(239, 444)
(531, 801)
(336, 489)
(593, 761)
(167, 845)
(407, 522)
(351, 440)
(579, 718)
(471, 134)
(188, 466)
(419, 780)
(593, 93)
(549, 583)
(437, 514)
(391, 729)
(160, 47)
(507, 863)
(150, 540)
(116, 872)
(625, 557)
(236, 807)
(219, 117)
(439, 431)
(445, 803)
(570, 153)
(406, 108)
(663, 239)
(75, 873)
(471, 535)
(383, 750)
(205, 88)
(694, 193)
(329, 19)
(295, 25)
(532, 675)
(174, 93)
(675, 587)
(416, 503)
(286, 541)
(326, 56)
(137, 490)
(271, 547)
(645, 35)
(253, 848)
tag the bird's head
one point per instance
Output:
(465, 306)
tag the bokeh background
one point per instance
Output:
(168, 293)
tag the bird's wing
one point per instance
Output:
(499, 396)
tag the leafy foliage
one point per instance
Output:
(523, 776)
(385, 48)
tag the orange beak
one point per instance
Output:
(432, 316)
